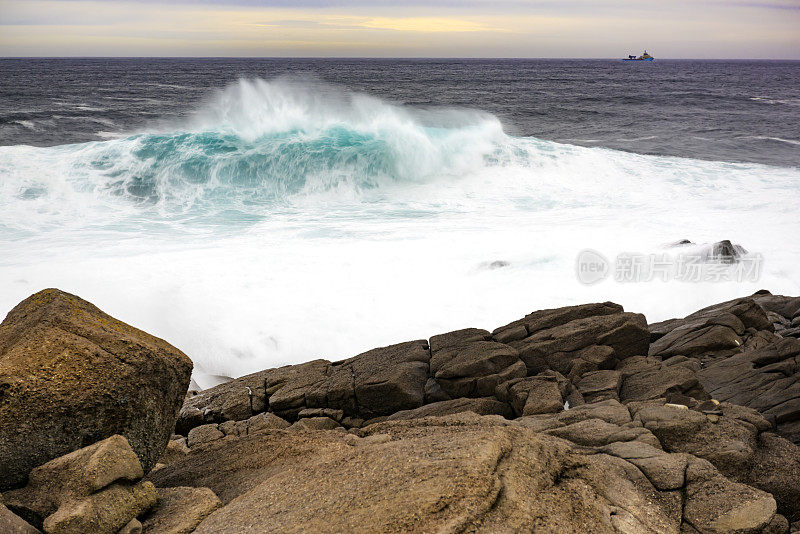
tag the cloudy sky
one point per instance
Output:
(403, 28)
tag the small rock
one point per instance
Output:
(376, 439)
(180, 510)
(315, 423)
(74, 477)
(11, 523)
(104, 512)
(203, 434)
(134, 527)
(266, 421)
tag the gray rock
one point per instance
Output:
(600, 385)
(649, 378)
(721, 330)
(544, 319)
(766, 380)
(474, 369)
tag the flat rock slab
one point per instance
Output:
(461, 472)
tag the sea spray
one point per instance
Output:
(284, 221)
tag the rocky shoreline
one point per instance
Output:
(577, 419)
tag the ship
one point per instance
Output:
(643, 57)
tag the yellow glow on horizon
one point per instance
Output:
(128, 28)
(426, 24)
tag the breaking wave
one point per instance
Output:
(286, 220)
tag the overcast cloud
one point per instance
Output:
(408, 28)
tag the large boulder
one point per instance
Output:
(471, 473)
(71, 375)
(457, 473)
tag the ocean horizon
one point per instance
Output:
(261, 212)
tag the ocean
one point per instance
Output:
(260, 212)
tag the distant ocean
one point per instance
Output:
(262, 212)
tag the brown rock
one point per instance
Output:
(73, 477)
(11, 523)
(600, 385)
(580, 341)
(484, 406)
(266, 421)
(133, 527)
(71, 375)
(475, 369)
(176, 450)
(104, 512)
(715, 504)
(204, 434)
(315, 423)
(180, 510)
(461, 472)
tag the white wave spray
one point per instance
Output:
(288, 220)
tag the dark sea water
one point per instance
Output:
(262, 212)
(720, 110)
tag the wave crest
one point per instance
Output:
(259, 141)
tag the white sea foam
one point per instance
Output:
(381, 231)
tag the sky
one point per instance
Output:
(403, 28)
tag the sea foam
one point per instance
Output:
(287, 220)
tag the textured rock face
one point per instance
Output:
(95, 489)
(11, 523)
(744, 351)
(466, 473)
(71, 375)
(767, 380)
(180, 510)
(469, 363)
(582, 419)
(679, 415)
